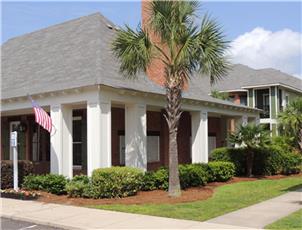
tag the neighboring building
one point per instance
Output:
(100, 118)
(267, 89)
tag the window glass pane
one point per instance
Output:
(122, 149)
(152, 148)
(76, 130)
(77, 154)
(243, 100)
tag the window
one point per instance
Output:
(153, 148)
(122, 149)
(262, 101)
(77, 140)
(211, 143)
(36, 143)
(280, 98)
(243, 100)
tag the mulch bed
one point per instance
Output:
(153, 197)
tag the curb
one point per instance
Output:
(51, 224)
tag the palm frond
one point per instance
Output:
(170, 18)
(133, 49)
(250, 135)
(212, 50)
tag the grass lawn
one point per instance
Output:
(293, 221)
(226, 198)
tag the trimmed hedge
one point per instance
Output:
(220, 171)
(193, 175)
(158, 179)
(52, 183)
(24, 168)
(115, 182)
(79, 186)
(123, 181)
(267, 161)
(235, 155)
(190, 175)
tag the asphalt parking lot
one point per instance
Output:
(9, 224)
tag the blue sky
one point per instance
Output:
(238, 19)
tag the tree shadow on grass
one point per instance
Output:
(297, 188)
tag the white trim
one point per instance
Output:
(270, 103)
(277, 100)
(233, 90)
(254, 99)
(77, 118)
(273, 84)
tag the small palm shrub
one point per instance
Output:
(250, 136)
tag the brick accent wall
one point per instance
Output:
(214, 127)
(117, 125)
(156, 69)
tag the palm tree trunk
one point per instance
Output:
(300, 139)
(249, 162)
(172, 117)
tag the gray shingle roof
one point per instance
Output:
(242, 76)
(73, 54)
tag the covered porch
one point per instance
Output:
(105, 127)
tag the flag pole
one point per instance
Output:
(38, 143)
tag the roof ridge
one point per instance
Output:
(104, 20)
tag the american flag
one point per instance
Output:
(41, 117)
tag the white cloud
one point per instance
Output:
(262, 48)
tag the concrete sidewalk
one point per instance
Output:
(264, 213)
(71, 217)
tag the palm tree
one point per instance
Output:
(291, 121)
(250, 136)
(183, 48)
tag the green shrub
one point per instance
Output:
(162, 178)
(52, 183)
(115, 182)
(78, 186)
(272, 160)
(192, 175)
(292, 163)
(235, 155)
(149, 181)
(24, 168)
(221, 171)
(268, 161)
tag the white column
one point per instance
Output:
(61, 140)
(257, 120)
(242, 120)
(98, 134)
(105, 133)
(136, 136)
(200, 144)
